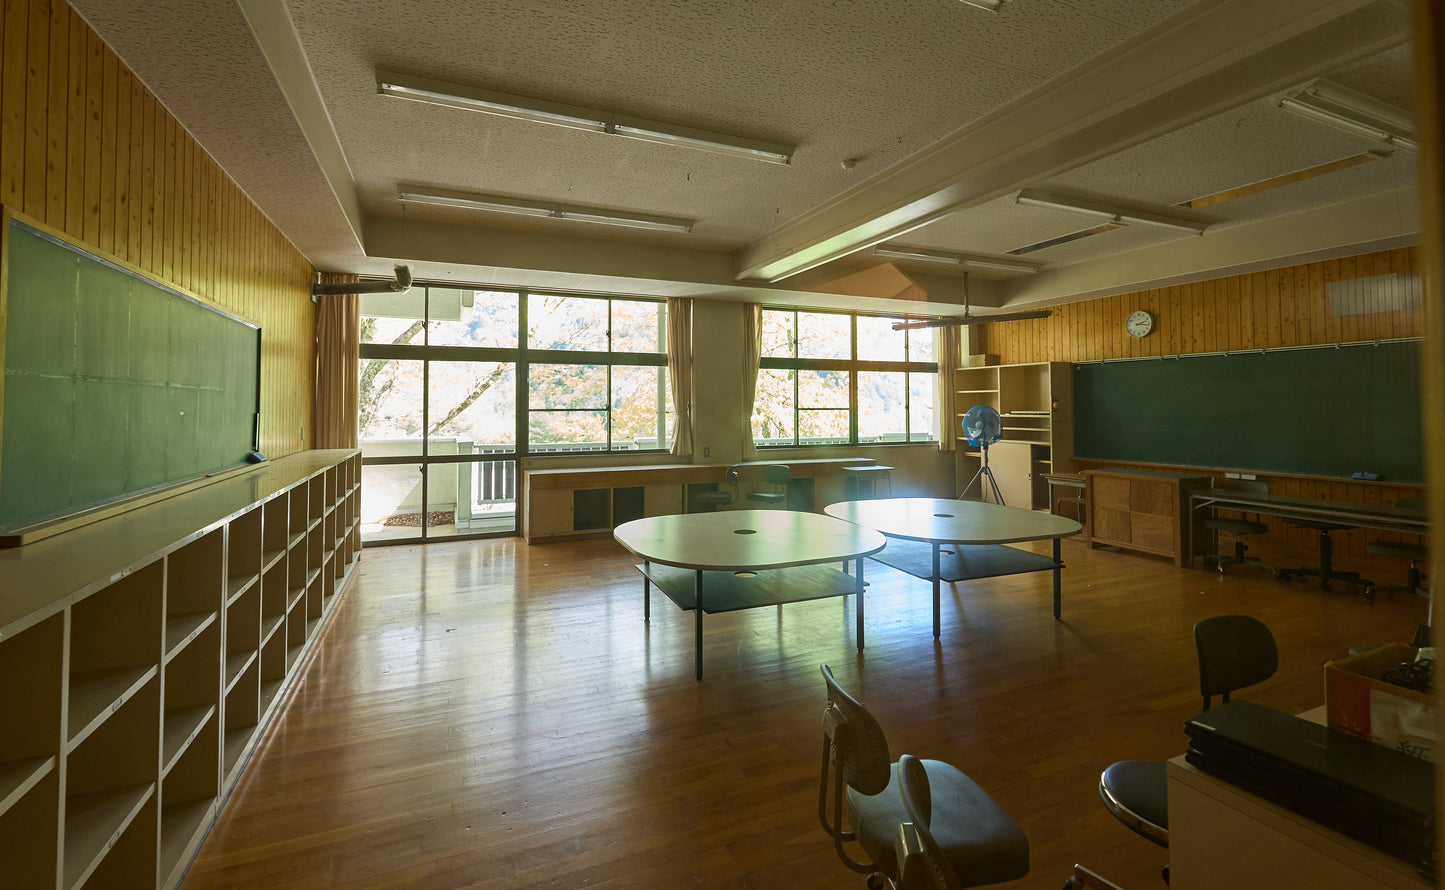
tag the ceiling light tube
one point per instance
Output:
(1329, 103)
(433, 92)
(420, 89)
(985, 5)
(498, 204)
(972, 261)
(1116, 215)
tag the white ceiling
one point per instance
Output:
(915, 122)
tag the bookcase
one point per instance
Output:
(142, 657)
(1035, 403)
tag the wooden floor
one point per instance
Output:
(488, 714)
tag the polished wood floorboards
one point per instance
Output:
(489, 714)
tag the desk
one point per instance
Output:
(1383, 518)
(981, 528)
(697, 560)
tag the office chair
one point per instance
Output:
(1245, 524)
(721, 497)
(1412, 553)
(921, 864)
(1325, 571)
(776, 475)
(981, 842)
(1235, 651)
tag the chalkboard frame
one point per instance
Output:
(27, 529)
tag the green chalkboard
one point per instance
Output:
(1331, 411)
(114, 384)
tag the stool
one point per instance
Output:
(1325, 572)
(854, 477)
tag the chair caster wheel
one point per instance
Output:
(1370, 592)
(1072, 883)
(876, 881)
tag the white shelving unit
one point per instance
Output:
(141, 658)
(1035, 403)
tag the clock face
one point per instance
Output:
(1138, 323)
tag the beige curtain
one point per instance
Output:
(679, 372)
(945, 349)
(338, 354)
(752, 360)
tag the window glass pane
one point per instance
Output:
(567, 408)
(921, 391)
(466, 317)
(390, 502)
(921, 343)
(778, 333)
(557, 322)
(473, 407)
(641, 408)
(392, 318)
(563, 431)
(878, 342)
(882, 414)
(389, 407)
(639, 326)
(823, 389)
(471, 498)
(826, 427)
(773, 416)
(824, 335)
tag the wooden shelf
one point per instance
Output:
(92, 824)
(1035, 403)
(181, 629)
(17, 777)
(182, 725)
(236, 665)
(94, 695)
(235, 746)
(180, 825)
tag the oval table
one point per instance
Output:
(743, 559)
(977, 529)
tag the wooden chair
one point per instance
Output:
(978, 839)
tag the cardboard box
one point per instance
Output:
(1359, 702)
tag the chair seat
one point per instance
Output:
(767, 497)
(1137, 793)
(1236, 526)
(1399, 550)
(1321, 525)
(714, 497)
(981, 841)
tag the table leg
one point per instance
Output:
(859, 583)
(697, 621)
(1058, 577)
(937, 604)
(646, 593)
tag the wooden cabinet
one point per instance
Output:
(1035, 403)
(141, 657)
(1143, 510)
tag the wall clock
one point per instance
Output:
(1139, 323)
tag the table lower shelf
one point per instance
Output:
(730, 592)
(962, 562)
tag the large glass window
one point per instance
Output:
(455, 384)
(841, 378)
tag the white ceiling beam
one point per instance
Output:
(1215, 55)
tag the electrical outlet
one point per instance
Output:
(706, 451)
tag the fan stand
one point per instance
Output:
(984, 471)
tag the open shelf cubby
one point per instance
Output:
(142, 657)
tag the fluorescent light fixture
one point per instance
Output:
(968, 260)
(420, 89)
(498, 204)
(1343, 108)
(1117, 215)
(969, 318)
(986, 5)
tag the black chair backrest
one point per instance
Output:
(1234, 651)
(921, 864)
(859, 748)
(777, 474)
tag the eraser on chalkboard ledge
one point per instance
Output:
(255, 457)
(1368, 477)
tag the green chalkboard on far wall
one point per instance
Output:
(114, 384)
(1319, 411)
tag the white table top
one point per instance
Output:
(947, 521)
(737, 540)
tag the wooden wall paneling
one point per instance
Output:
(94, 95)
(12, 105)
(110, 83)
(74, 112)
(37, 88)
(56, 103)
(120, 213)
(135, 203)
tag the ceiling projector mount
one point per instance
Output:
(969, 318)
(400, 283)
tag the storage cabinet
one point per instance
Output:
(141, 657)
(1143, 510)
(1035, 403)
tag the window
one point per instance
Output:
(455, 384)
(841, 378)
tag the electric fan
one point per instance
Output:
(981, 428)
